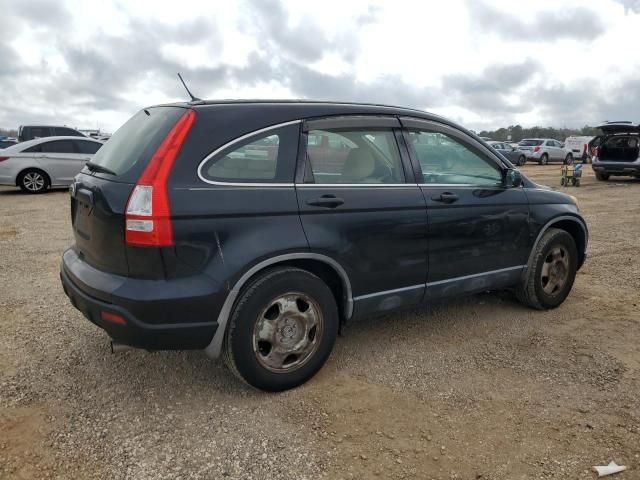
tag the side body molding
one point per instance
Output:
(550, 224)
(214, 349)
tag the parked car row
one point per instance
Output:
(540, 150)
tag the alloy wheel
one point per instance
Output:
(33, 181)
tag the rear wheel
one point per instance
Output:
(33, 181)
(522, 160)
(544, 159)
(552, 272)
(603, 177)
(282, 329)
(568, 160)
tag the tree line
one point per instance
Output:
(518, 133)
(8, 132)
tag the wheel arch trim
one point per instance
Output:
(214, 349)
(546, 227)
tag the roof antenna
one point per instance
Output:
(193, 99)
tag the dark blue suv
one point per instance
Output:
(254, 229)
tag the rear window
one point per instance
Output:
(132, 145)
(530, 143)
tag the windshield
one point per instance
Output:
(134, 143)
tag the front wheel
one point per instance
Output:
(544, 159)
(522, 160)
(552, 271)
(603, 177)
(282, 329)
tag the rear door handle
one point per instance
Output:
(445, 197)
(326, 201)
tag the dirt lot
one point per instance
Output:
(481, 388)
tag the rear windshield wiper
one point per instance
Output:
(94, 167)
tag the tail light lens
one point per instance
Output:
(2, 159)
(536, 149)
(148, 216)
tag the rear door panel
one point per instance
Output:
(377, 233)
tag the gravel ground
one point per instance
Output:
(480, 388)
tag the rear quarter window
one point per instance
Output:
(267, 157)
(87, 147)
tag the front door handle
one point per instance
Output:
(445, 197)
(326, 201)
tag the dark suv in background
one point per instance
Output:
(254, 229)
(617, 150)
(29, 132)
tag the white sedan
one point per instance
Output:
(45, 162)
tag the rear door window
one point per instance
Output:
(39, 132)
(354, 156)
(58, 146)
(268, 157)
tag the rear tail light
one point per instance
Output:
(2, 159)
(148, 217)
(536, 149)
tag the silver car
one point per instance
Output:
(545, 150)
(513, 154)
(38, 164)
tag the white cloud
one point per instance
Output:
(484, 63)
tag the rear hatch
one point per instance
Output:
(100, 193)
(620, 142)
(527, 145)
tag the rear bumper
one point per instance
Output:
(158, 314)
(616, 168)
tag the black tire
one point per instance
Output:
(33, 181)
(563, 181)
(568, 160)
(532, 291)
(253, 305)
(522, 160)
(544, 159)
(603, 177)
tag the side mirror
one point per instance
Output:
(512, 178)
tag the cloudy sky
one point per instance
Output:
(484, 63)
